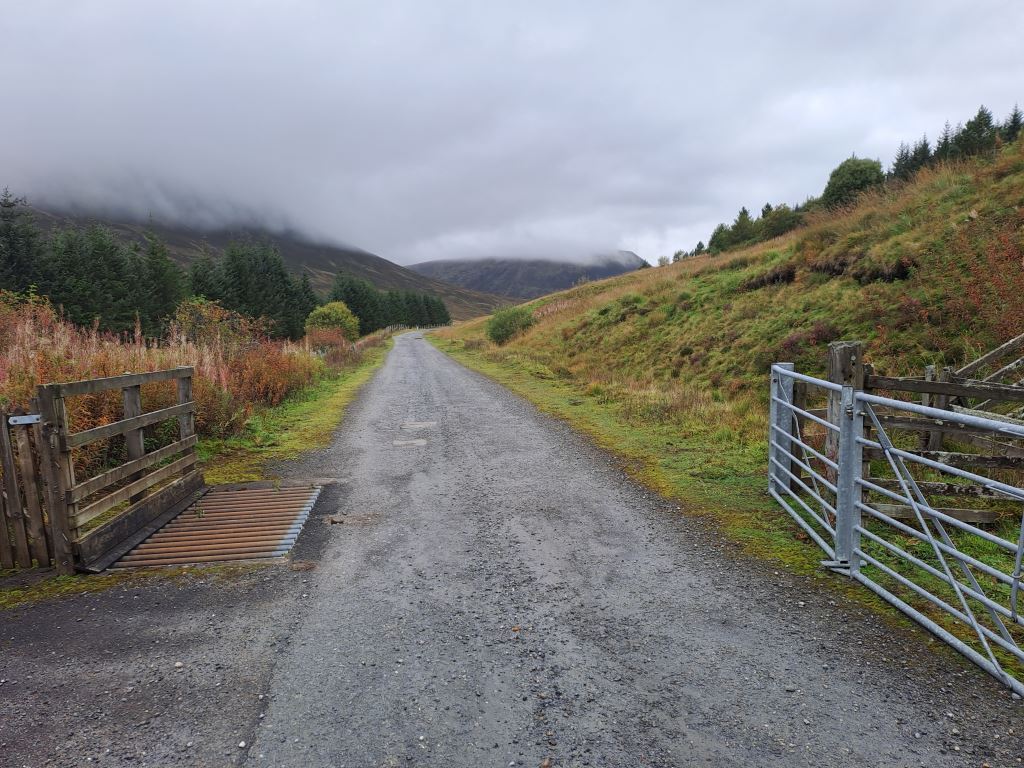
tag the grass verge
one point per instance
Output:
(713, 463)
(302, 423)
(701, 463)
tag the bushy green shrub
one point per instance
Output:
(334, 314)
(850, 178)
(506, 323)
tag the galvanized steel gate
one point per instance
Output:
(941, 564)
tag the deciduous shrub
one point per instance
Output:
(334, 314)
(507, 323)
(849, 179)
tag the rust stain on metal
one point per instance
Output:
(229, 524)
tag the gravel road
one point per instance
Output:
(496, 593)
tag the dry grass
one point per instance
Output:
(237, 369)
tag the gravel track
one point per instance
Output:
(497, 593)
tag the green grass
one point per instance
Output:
(302, 423)
(23, 589)
(700, 463)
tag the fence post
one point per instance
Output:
(939, 401)
(780, 429)
(59, 473)
(15, 507)
(848, 490)
(6, 550)
(845, 367)
(30, 485)
(135, 441)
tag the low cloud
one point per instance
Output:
(448, 130)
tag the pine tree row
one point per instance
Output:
(96, 278)
(378, 309)
(981, 135)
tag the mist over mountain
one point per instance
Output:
(301, 254)
(527, 278)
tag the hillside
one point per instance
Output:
(668, 367)
(321, 261)
(930, 271)
(526, 278)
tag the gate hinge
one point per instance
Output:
(28, 418)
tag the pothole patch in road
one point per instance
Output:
(410, 425)
(413, 441)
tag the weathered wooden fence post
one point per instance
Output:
(6, 550)
(30, 485)
(186, 422)
(134, 439)
(942, 402)
(846, 368)
(12, 494)
(59, 472)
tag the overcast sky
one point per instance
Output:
(433, 129)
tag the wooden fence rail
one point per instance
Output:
(944, 389)
(51, 516)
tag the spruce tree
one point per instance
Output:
(921, 155)
(901, 165)
(163, 285)
(743, 230)
(1014, 124)
(944, 146)
(21, 244)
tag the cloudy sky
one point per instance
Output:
(438, 129)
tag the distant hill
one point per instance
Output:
(526, 278)
(320, 261)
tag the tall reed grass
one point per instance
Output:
(238, 368)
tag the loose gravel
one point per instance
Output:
(499, 595)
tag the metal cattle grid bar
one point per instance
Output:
(229, 524)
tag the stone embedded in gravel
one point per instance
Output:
(178, 665)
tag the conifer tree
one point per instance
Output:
(21, 244)
(921, 155)
(1014, 124)
(901, 165)
(162, 285)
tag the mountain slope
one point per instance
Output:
(322, 262)
(526, 278)
(927, 272)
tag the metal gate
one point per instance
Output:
(888, 529)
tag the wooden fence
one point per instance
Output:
(978, 388)
(51, 516)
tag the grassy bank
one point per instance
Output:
(708, 459)
(667, 367)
